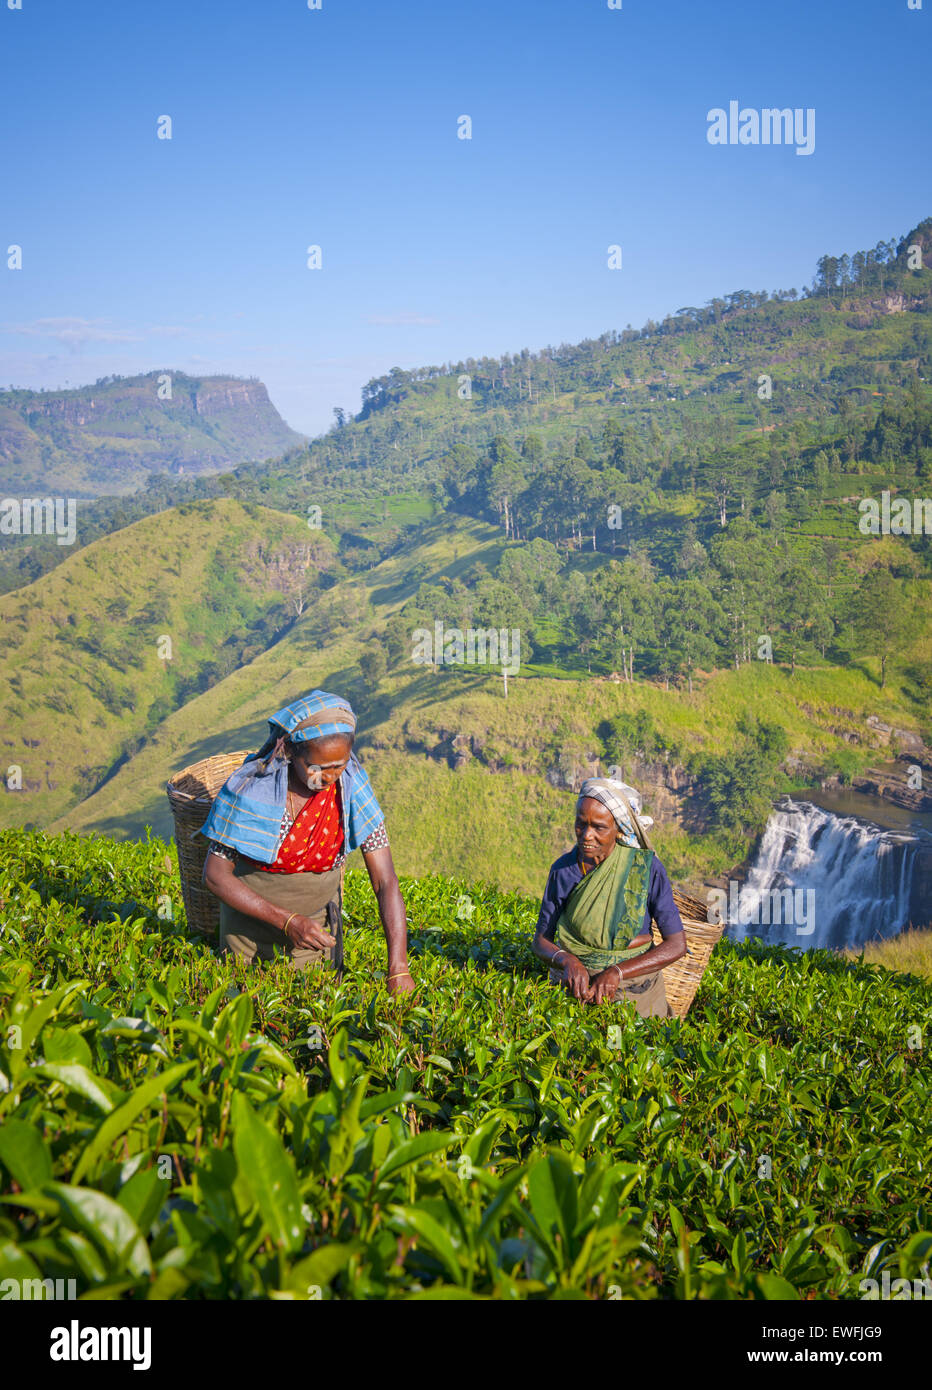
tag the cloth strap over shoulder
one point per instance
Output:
(606, 910)
(639, 830)
(246, 814)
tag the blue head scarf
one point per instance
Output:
(247, 812)
(313, 716)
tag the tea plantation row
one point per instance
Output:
(172, 1126)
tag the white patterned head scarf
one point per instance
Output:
(605, 790)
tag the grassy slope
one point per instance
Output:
(505, 826)
(910, 953)
(233, 713)
(81, 681)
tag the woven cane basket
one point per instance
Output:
(190, 794)
(681, 979)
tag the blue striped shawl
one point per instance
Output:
(247, 812)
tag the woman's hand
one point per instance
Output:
(307, 935)
(400, 981)
(575, 977)
(605, 984)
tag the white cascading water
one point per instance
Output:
(821, 880)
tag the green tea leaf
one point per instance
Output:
(775, 1288)
(77, 1078)
(105, 1224)
(552, 1189)
(322, 1267)
(24, 1154)
(15, 1263)
(119, 1120)
(413, 1149)
(431, 1236)
(269, 1171)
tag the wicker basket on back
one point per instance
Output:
(681, 979)
(190, 794)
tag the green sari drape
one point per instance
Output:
(606, 908)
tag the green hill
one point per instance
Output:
(102, 649)
(473, 783)
(754, 396)
(109, 437)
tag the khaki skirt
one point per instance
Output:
(318, 896)
(645, 992)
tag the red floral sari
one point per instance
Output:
(315, 839)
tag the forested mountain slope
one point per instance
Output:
(478, 784)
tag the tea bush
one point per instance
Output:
(173, 1125)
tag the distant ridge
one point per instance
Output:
(108, 438)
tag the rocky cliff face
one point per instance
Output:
(74, 410)
(906, 781)
(215, 399)
(668, 792)
(106, 438)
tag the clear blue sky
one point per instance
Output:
(339, 127)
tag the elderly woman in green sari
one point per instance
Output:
(594, 924)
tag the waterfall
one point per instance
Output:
(824, 880)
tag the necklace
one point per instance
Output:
(290, 805)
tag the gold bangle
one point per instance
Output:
(287, 920)
(398, 974)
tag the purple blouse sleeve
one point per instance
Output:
(549, 908)
(660, 904)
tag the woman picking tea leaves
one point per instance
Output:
(280, 830)
(594, 924)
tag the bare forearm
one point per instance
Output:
(394, 924)
(548, 950)
(224, 884)
(669, 950)
(384, 882)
